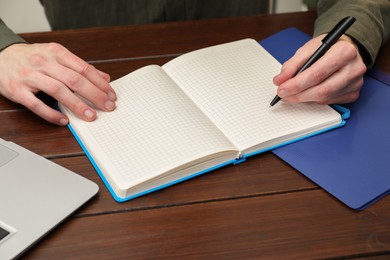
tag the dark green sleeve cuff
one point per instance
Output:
(7, 37)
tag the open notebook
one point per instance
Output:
(198, 112)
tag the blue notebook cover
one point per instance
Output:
(351, 163)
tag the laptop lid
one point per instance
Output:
(35, 196)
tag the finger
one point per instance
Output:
(71, 61)
(291, 66)
(340, 55)
(334, 90)
(79, 85)
(62, 94)
(104, 75)
(30, 101)
(107, 77)
(88, 71)
(287, 72)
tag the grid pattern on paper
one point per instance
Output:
(233, 86)
(155, 127)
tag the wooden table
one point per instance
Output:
(259, 209)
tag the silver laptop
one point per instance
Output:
(35, 196)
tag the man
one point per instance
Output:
(336, 78)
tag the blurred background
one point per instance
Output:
(28, 16)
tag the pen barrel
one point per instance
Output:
(331, 38)
(317, 54)
(340, 28)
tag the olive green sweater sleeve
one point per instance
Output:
(7, 37)
(371, 29)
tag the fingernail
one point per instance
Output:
(89, 114)
(109, 105)
(112, 95)
(63, 121)
(282, 93)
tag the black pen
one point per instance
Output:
(330, 39)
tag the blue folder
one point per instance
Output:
(352, 162)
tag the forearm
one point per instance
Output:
(371, 29)
(7, 37)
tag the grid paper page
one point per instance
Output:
(232, 84)
(154, 128)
